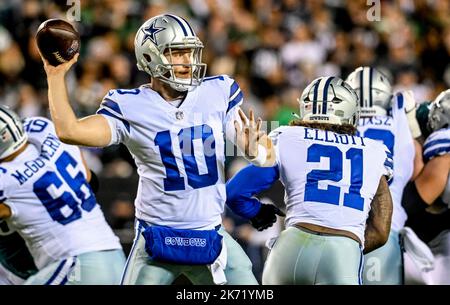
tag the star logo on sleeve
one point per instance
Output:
(150, 32)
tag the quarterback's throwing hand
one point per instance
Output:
(60, 69)
(248, 134)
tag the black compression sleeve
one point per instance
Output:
(94, 183)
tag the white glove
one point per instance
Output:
(410, 110)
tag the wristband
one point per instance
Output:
(260, 158)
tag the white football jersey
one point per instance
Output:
(53, 207)
(330, 179)
(394, 132)
(438, 143)
(179, 151)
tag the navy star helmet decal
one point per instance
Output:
(150, 31)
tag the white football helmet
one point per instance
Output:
(374, 90)
(439, 115)
(12, 134)
(329, 100)
(161, 34)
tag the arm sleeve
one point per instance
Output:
(111, 110)
(246, 183)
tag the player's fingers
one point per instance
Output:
(43, 58)
(237, 127)
(243, 117)
(247, 131)
(75, 58)
(260, 134)
(251, 118)
(258, 124)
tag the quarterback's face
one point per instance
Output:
(178, 57)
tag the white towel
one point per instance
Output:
(270, 242)
(417, 250)
(217, 268)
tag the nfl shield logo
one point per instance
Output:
(179, 115)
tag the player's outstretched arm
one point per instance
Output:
(248, 182)
(256, 145)
(90, 131)
(378, 223)
(432, 180)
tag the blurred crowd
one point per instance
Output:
(273, 48)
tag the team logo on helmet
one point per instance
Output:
(150, 32)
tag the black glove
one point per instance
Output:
(266, 217)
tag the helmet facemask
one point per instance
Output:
(197, 69)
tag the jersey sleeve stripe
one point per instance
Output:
(2, 199)
(108, 113)
(235, 101)
(436, 152)
(111, 104)
(430, 144)
(234, 88)
(389, 163)
(389, 154)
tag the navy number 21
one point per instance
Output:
(174, 181)
(331, 195)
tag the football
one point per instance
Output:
(58, 41)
